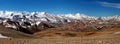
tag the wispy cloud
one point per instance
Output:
(107, 4)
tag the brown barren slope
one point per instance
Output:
(9, 32)
(111, 36)
(66, 34)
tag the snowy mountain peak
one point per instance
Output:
(42, 14)
(76, 16)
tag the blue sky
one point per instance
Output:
(88, 7)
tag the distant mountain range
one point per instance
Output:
(43, 16)
(33, 18)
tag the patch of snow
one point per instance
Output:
(117, 33)
(11, 26)
(1, 36)
(38, 23)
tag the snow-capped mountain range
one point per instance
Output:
(43, 16)
(26, 20)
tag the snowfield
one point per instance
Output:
(1, 36)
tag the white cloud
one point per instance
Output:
(107, 4)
